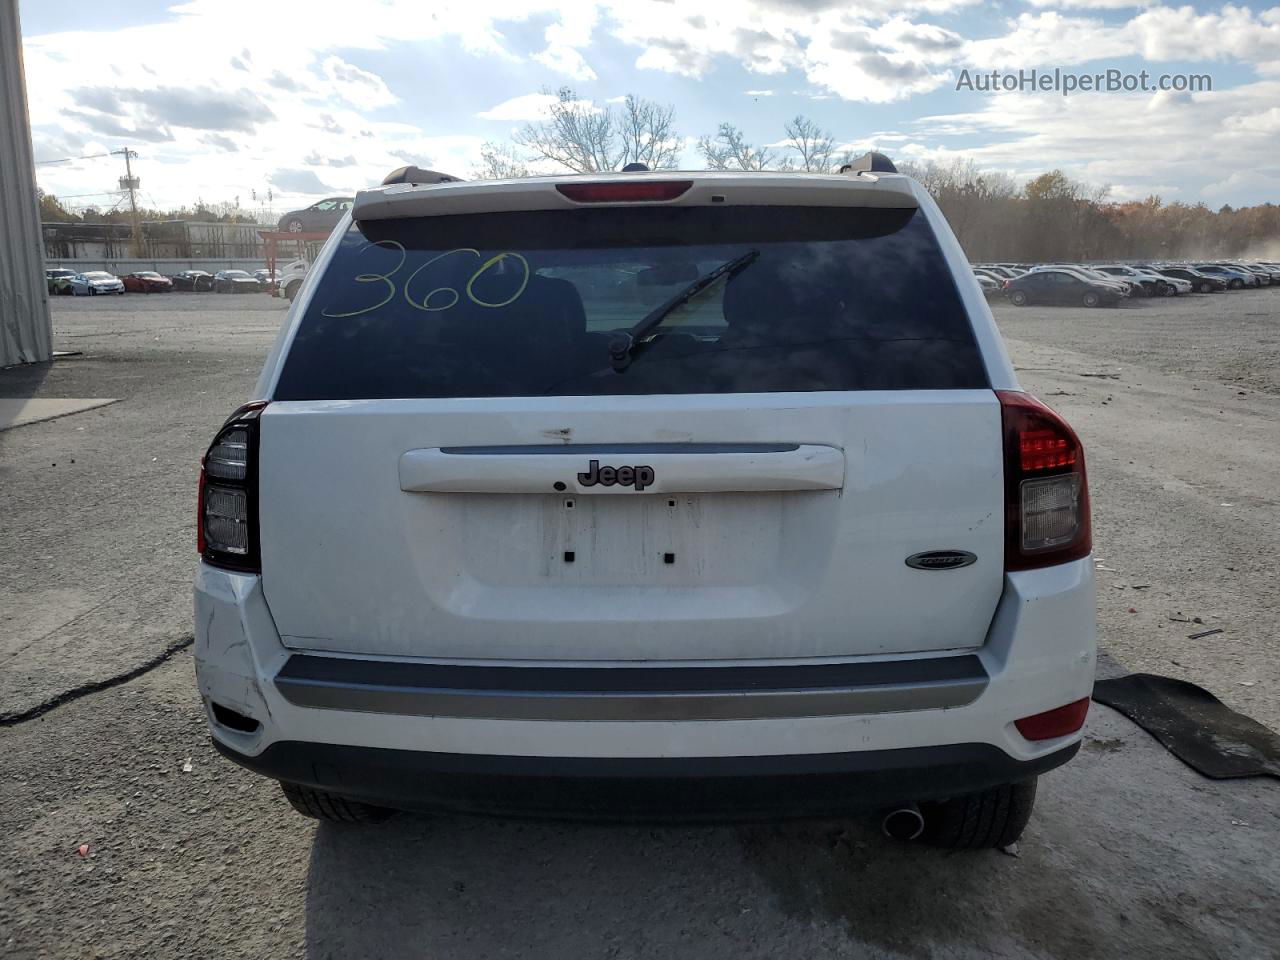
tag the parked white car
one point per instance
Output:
(95, 282)
(689, 494)
(990, 285)
(291, 276)
(1173, 286)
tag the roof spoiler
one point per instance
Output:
(870, 162)
(704, 188)
(412, 174)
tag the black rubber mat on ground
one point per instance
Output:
(1194, 725)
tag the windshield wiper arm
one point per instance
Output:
(625, 345)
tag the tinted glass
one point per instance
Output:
(527, 304)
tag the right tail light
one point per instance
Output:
(1046, 489)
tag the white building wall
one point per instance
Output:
(26, 335)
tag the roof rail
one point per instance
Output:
(412, 174)
(870, 162)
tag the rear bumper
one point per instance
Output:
(390, 729)
(639, 788)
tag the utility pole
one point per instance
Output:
(130, 182)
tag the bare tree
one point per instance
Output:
(647, 132)
(729, 150)
(576, 134)
(588, 138)
(499, 161)
(815, 146)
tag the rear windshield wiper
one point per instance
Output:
(626, 344)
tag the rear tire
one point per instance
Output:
(1018, 298)
(322, 805)
(291, 290)
(988, 820)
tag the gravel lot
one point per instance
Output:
(1130, 853)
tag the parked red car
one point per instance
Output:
(147, 281)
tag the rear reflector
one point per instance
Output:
(644, 191)
(1057, 722)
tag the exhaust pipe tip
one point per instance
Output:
(903, 823)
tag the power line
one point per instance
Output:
(91, 156)
(74, 196)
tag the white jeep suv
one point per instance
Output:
(685, 495)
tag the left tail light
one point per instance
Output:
(227, 517)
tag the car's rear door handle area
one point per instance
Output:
(627, 468)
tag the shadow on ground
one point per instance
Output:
(23, 380)
(464, 888)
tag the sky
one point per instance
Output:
(234, 100)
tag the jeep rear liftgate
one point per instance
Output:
(677, 427)
(489, 542)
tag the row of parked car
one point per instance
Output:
(1095, 285)
(92, 282)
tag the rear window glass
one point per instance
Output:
(530, 304)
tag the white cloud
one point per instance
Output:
(565, 38)
(1233, 33)
(358, 87)
(567, 61)
(1265, 184)
(1090, 4)
(183, 89)
(1125, 191)
(323, 104)
(529, 106)
(1040, 39)
(1179, 143)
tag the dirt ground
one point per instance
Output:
(1129, 854)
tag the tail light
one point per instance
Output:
(1006, 284)
(227, 518)
(1046, 489)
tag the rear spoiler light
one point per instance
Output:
(643, 191)
(1046, 489)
